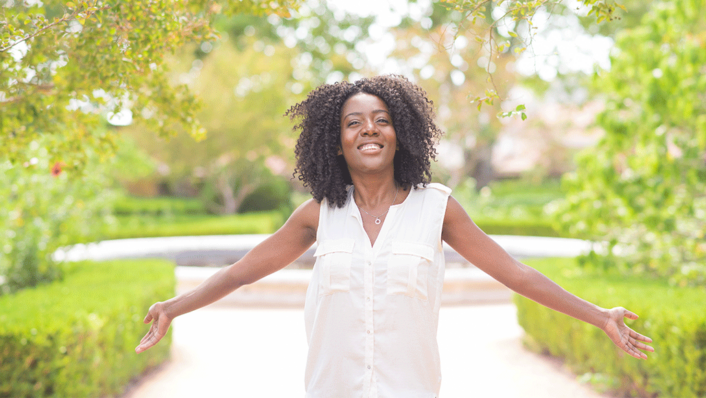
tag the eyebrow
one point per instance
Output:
(360, 113)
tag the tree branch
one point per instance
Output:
(58, 21)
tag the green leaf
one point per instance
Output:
(511, 33)
(520, 107)
(523, 116)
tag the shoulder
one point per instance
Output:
(434, 189)
(307, 215)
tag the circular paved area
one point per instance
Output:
(226, 351)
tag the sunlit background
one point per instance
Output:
(573, 129)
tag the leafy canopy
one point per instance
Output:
(64, 63)
(643, 188)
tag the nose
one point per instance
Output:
(369, 129)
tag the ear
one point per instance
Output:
(340, 151)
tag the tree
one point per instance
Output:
(64, 64)
(441, 63)
(643, 189)
(245, 93)
(508, 25)
(246, 81)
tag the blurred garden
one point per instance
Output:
(580, 119)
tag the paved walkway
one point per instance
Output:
(226, 249)
(226, 351)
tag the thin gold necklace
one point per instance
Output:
(377, 218)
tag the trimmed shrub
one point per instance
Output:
(143, 227)
(165, 205)
(76, 337)
(673, 317)
(518, 227)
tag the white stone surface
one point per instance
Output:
(234, 352)
(519, 246)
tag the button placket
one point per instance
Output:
(369, 325)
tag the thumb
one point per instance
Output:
(148, 318)
(630, 315)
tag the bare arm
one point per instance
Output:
(461, 233)
(279, 250)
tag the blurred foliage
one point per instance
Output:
(672, 316)
(642, 190)
(76, 337)
(246, 81)
(274, 195)
(190, 225)
(159, 206)
(501, 27)
(511, 207)
(64, 63)
(441, 60)
(45, 208)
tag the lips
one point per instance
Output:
(370, 147)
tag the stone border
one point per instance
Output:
(195, 257)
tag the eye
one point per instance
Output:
(382, 120)
(352, 122)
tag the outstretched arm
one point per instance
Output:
(282, 248)
(461, 233)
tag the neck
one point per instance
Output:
(376, 191)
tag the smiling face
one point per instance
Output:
(368, 139)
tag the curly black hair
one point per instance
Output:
(325, 172)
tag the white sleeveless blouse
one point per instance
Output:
(371, 312)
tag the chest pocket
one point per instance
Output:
(333, 257)
(408, 269)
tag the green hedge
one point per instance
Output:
(144, 226)
(76, 337)
(518, 227)
(127, 205)
(673, 317)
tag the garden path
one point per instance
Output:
(228, 351)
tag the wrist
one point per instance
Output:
(604, 317)
(169, 309)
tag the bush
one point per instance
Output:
(76, 337)
(130, 205)
(142, 227)
(511, 207)
(641, 188)
(43, 209)
(673, 317)
(272, 195)
(517, 227)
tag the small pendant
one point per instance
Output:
(377, 221)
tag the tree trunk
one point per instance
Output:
(479, 164)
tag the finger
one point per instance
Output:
(151, 339)
(627, 347)
(638, 336)
(148, 335)
(630, 315)
(641, 346)
(162, 326)
(148, 318)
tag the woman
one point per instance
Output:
(372, 306)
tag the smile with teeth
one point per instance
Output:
(370, 147)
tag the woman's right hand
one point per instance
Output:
(158, 329)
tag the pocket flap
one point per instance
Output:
(344, 245)
(415, 249)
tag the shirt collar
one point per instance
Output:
(352, 209)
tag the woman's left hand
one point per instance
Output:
(627, 339)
